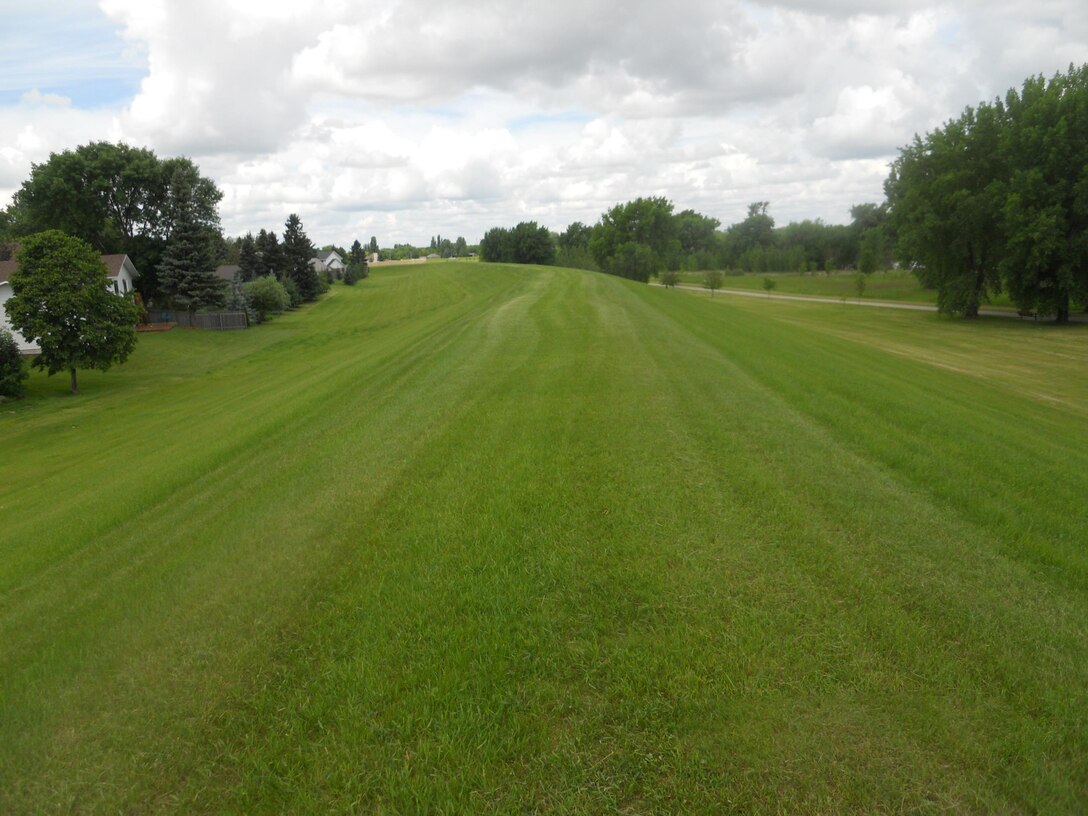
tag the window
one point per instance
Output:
(115, 288)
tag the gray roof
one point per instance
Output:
(227, 271)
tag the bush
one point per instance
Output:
(670, 277)
(355, 272)
(294, 294)
(12, 370)
(267, 296)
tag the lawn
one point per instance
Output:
(475, 538)
(886, 285)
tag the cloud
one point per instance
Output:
(404, 118)
(36, 97)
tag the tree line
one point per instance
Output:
(646, 237)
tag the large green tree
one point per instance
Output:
(62, 302)
(998, 199)
(526, 243)
(115, 197)
(297, 252)
(1045, 213)
(945, 195)
(648, 222)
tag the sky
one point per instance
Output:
(404, 119)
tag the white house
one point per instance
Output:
(122, 275)
(331, 262)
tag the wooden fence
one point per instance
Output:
(215, 321)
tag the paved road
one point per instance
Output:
(881, 304)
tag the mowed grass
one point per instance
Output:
(889, 284)
(473, 538)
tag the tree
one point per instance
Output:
(860, 281)
(945, 195)
(117, 198)
(526, 243)
(494, 245)
(531, 243)
(373, 244)
(249, 261)
(633, 261)
(769, 285)
(871, 250)
(695, 232)
(670, 278)
(187, 270)
(297, 252)
(270, 253)
(357, 267)
(12, 371)
(712, 280)
(356, 253)
(1044, 216)
(755, 231)
(266, 296)
(645, 221)
(62, 303)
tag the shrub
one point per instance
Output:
(267, 296)
(712, 280)
(294, 295)
(670, 277)
(355, 272)
(12, 370)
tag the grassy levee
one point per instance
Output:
(472, 538)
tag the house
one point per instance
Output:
(122, 276)
(227, 272)
(121, 272)
(331, 262)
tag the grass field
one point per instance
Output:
(887, 285)
(470, 538)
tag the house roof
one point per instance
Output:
(115, 262)
(324, 256)
(113, 266)
(227, 271)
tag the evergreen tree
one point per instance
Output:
(298, 251)
(356, 254)
(249, 262)
(187, 269)
(271, 254)
(12, 372)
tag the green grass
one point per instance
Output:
(472, 538)
(887, 285)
